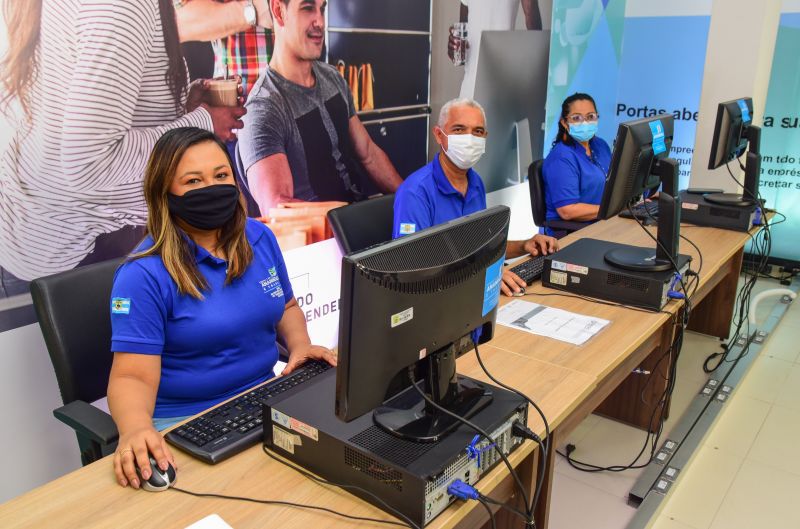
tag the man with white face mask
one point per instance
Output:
(448, 187)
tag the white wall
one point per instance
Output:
(35, 447)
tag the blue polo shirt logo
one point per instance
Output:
(272, 284)
(121, 306)
(407, 228)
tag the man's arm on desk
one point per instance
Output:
(270, 181)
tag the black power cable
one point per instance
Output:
(544, 445)
(762, 244)
(489, 510)
(673, 352)
(287, 504)
(483, 433)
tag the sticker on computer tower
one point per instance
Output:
(558, 265)
(285, 440)
(558, 278)
(303, 428)
(280, 418)
(577, 269)
(689, 205)
(401, 317)
(574, 279)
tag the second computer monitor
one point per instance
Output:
(730, 131)
(638, 147)
(734, 132)
(641, 161)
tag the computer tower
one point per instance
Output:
(411, 477)
(695, 209)
(581, 268)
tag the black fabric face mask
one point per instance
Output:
(207, 208)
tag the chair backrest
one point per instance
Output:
(536, 187)
(75, 317)
(363, 224)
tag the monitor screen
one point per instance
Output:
(730, 141)
(416, 302)
(638, 146)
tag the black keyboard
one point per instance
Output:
(644, 211)
(236, 425)
(530, 270)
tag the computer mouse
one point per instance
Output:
(159, 479)
(518, 294)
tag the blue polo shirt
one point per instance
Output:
(211, 349)
(427, 198)
(571, 176)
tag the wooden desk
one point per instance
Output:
(90, 497)
(634, 339)
(568, 382)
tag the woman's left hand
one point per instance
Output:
(301, 355)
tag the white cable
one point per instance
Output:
(768, 294)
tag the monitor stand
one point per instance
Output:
(752, 172)
(409, 416)
(661, 258)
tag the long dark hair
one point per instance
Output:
(176, 75)
(18, 69)
(168, 239)
(563, 133)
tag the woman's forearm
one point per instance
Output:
(131, 402)
(292, 328)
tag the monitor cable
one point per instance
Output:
(673, 353)
(653, 433)
(762, 244)
(483, 433)
(523, 431)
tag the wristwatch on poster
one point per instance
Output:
(250, 13)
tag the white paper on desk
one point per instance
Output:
(212, 521)
(547, 321)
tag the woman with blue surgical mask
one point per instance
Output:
(575, 170)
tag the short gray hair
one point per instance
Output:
(459, 102)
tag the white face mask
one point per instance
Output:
(464, 150)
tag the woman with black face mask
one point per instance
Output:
(197, 308)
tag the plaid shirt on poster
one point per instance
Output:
(246, 53)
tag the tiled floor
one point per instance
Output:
(745, 474)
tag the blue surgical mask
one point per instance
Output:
(583, 131)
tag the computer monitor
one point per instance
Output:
(409, 308)
(733, 131)
(640, 161)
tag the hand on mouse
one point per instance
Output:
(511, 283)
(134, 450)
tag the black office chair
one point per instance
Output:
(75, 317)
(559, 227)
(363, 224)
